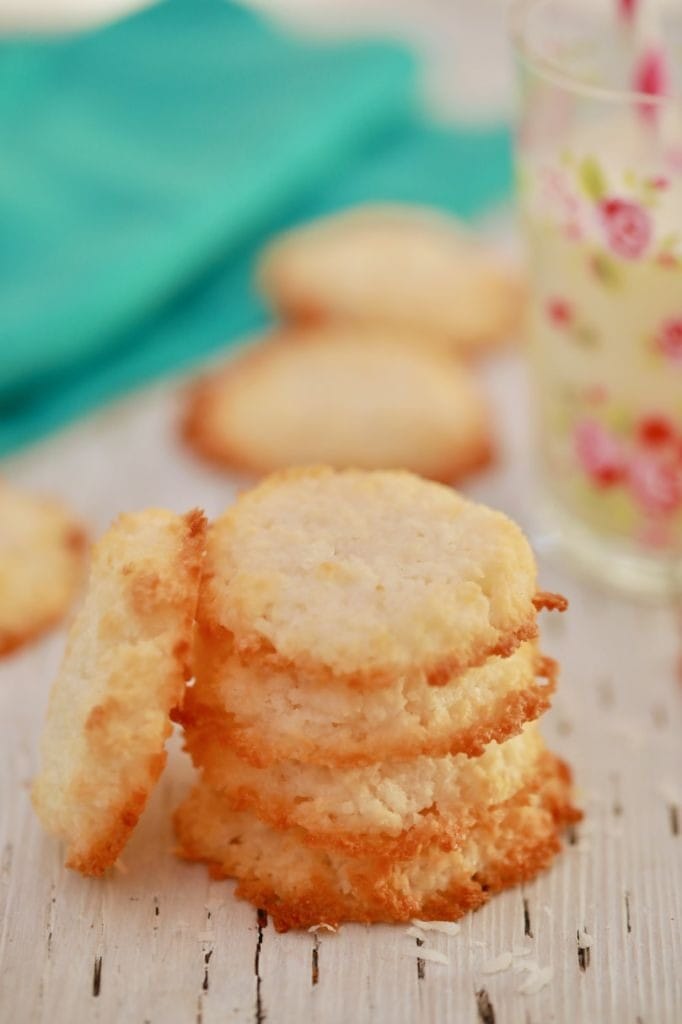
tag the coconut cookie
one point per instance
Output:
(126, 662)
(365, 577)
(345, 397)
(385, 807)
(301, 886)
(402, 267)
(269, 715)
(42, 559)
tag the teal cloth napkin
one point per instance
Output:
(145, 163)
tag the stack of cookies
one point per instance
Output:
(367, 681)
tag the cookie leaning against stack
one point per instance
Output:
(345, 622)
(126, 662)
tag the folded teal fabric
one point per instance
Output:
(145, 163)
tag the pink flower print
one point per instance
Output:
(560, 312)
(627, 9)
(651, 78)
(599, 453)
(669, 339)
(656, 484)
(656, 431)
(628, 227)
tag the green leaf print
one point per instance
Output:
(592, 180)
(618, 419)
(522, 180)
(649, 194)
(586, 336)
(611, 511)
(670, 242)
(606, 270)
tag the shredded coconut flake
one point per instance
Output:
(446, 927)
(499, 963)
(525, 965)
(585, 940)
(536, 981)
(426, 953)
(414, 933)
(322, 927)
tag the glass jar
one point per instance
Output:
(600, 191)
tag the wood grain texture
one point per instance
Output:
(160, 942)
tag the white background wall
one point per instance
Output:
(468, 65)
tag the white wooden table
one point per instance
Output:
(160, 942)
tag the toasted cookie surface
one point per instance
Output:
(366, 576)
(125, 666)
(386, 807)
(42, 558)
(300, 885)
(342, 396)
(400, 266)
(266, 715)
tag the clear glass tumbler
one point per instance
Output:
(600, 191)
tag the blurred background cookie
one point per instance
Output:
(343, 396)
(42, 554)
(396, 265)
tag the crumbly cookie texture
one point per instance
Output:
(405, 267)
(367, 577)
(387, 808)
(342, 396)
(42, 562)
(267, 716)
(125, 667)
(300, 885)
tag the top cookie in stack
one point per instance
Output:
(365, 673)
(367, 577)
